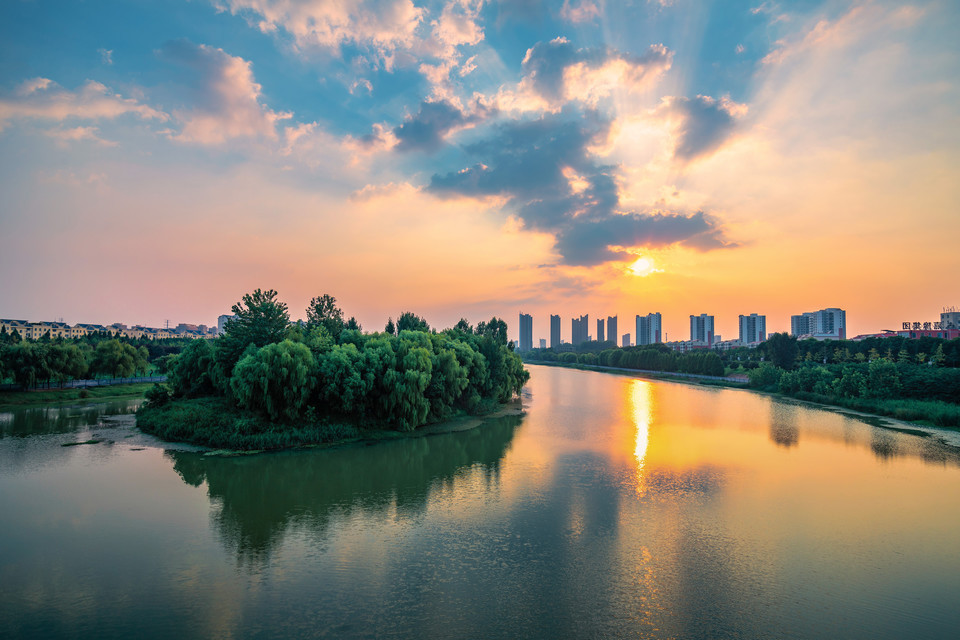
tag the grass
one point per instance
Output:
(213, 422)
(936, 413)
(44, 396)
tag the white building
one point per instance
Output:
(222, 323)
(701, 329)
(649, 329)
(825, 324)
(753, 329)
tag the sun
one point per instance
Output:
(643, 266)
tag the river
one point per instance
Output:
(615, 507)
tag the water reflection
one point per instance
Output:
(257, 498)
(784, 427)
(27, 421)
(641, 408)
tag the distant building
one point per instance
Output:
(950, 318)
(649, 329)
(600, 333)
(222, 323)
(626, 340)
(826, 324)
(526, 332)
(579, 328)
(612, 328)
(543, 343)
(684, 346)
(554, 332)
(701, 329)
(753, 329)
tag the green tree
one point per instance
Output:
(883, 380)
(191, 373)
(260, 320)
(782, 349)
(27, 363)
(410, 321)
(66, 362)
(390, 328)
(276, 380)
(117, 359)
(938, 357)
(323, 311)
(496, 330)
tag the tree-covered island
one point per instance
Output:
(268, 383)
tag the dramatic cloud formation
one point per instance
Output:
(382, 25)
(225, 99)
(557, 72)
(426, 130)
(42, 99)
(702, 123)
(550, 180)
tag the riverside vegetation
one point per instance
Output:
(908, 379)
(268, 383)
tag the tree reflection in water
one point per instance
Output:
(257, 498)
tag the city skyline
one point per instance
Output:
(460, 158)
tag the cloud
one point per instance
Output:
(702, 124)
(225, 98)
(382, 25)
(546, 175)
(434, 121)
(77, 134)
(457, 24)
(585, 11)
(556, 73)
(42, 99)
(106, 56)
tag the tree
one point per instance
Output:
(191, 372)
(883, 380)
(938, 357)
(66, 362)
(390, 328)
(323, 311)
(496, 330)
(782, 349)
(409, 321)
(27, 363)
(276, 380)
(118, 359)
(260, 320)
(463, 325)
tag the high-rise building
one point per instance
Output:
(753, 328)
(526, 332)
(826, 324)
(579, 329)
(543, 343)
(701, 329)
(554, 331)
(612, 328)
(600, 337)
(649, 329)
(626, 340)
(222, 323)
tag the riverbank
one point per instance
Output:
(917, 416)
(214, 423)
(72, 395)
(716, 381)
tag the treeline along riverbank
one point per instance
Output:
(268, 383)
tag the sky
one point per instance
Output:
(471, 158)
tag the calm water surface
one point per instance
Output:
(615, 508)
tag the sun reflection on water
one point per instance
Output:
(641, 408)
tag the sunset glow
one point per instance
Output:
(463, 158)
